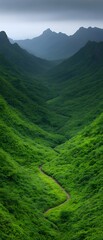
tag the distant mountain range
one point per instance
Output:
(57, 46)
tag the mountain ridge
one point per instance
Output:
(20, 58)
(58, 46)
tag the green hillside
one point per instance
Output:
(51, 186)
(77, 85)
(25, 193)
(79, 169)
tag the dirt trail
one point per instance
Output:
(67, 194)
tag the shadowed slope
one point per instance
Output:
(77, 84)
(21, 59)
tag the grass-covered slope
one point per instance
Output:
(77, 85)
(31, 150)
(25, 144)
(79, 169)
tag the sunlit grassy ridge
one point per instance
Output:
(37, 112)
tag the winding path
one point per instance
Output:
(67, 194)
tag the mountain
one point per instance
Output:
(51, 137)
(20, 58)
(77, 83)
(56, 46)
(20, 84)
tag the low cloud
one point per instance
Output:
(54, 9)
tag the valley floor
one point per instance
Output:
(51, 179)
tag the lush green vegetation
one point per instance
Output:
(52, 122)
(78, 89)
(79, 169)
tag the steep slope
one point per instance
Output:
(78, 168)
(33, 111)
(24, 195)
(21, 59)
(56, 46)
(25, 144)
(19, 84)
(77, 85)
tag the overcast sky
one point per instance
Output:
(29, 18)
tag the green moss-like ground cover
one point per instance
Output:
(54, 121)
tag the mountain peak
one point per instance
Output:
(3, 37)
(47, 32)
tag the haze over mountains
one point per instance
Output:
(51, 143)
(57, 46)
